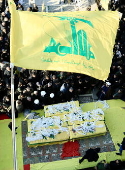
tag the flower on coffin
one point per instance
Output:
(67, 110)
(86, 127)
(44, 137)
(52, 136)
(62, 107)
(87, 115)
(45, 133)
(98, 111)
(34, 134)
(45, 122)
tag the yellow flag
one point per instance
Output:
(80, 42)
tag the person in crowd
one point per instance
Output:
(35, 95)
(7, 111)
(115, 165)
(121, 147)
(105, 92)
(102, 165)
(29, 9)
(36, 104)
(118, 94)
(7, 74)
(21, 2)
(20, 7)
(19, 106)
(51, 99)
(91, 155)
(70, 94)
(35, 8)
(28, 102)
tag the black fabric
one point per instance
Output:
(115, 166)
(91, 155)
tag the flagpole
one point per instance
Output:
(13, 118)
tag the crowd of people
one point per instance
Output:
(36, 88)
(103, 165)
(92, 154)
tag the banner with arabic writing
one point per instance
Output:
(80, 42)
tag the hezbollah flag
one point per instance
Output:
(80, 42)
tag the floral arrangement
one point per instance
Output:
(45, 122)
(45, 133)
(86, 127)
(79, 115)
(60, 108)
(49, 127)
(41, 128)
